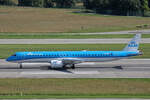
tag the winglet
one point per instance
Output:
(133, 45)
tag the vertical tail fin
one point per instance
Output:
(133, 45)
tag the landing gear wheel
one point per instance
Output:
(20, 66)
(73, 66)
(64, 66)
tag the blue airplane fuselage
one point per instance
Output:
(85, 56)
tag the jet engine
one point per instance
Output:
(56, 64)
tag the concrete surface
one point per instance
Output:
(77, 99)
(68, 41)
(127, 68)
(146, 31)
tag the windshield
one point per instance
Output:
(14, 55)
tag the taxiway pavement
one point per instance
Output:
(68, 41)
(127, 68)
(145, 31)
(80, 99)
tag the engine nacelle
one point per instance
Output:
(56, 64)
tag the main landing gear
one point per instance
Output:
(73, 66)
(20, 66)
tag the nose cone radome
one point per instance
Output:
(9, 59)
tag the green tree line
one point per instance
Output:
(6, 2)
(42, 3)
(118, 7)
(47, 3)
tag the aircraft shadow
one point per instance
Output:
(18, 68)
(115, 67)
(62, 69)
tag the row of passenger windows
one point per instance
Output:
(75, 55)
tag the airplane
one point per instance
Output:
(61, 59)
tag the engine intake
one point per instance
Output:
(56, 64)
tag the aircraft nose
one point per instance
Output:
(8, 59)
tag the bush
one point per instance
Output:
(88, 4)
(79, 1)
(118, 7)
(25, 2)
(37, 3)
(33, 3)
(7, 2)
(49, 3)
(147, 14)
(65, 3)
(128, 7)
(149, 3)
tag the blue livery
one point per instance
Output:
(59, 59)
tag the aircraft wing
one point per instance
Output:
(71, 60)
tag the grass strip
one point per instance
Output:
(65, 20)
(66, 36)
(74, 88)
(8, 49)
(68, 96)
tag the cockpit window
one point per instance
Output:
(14, 55)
